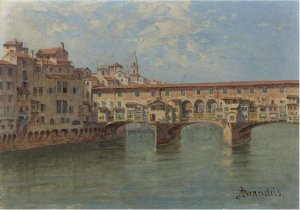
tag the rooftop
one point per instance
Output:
(199, 85)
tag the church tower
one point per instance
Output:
(134, 66)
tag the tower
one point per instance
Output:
(134, 68)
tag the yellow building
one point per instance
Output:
(8, 98)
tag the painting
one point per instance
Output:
(149, 104)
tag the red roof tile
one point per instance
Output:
(21, 54)
(48, 51)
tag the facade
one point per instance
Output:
(49, 92)
(8, 98)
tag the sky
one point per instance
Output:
(182, 41)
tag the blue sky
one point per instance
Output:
(175, 41)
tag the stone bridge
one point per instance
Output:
(234, 133)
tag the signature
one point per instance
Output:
(243, 193)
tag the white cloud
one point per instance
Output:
(95, 23)
(190, 46)
(61, 27)
(263, 25)
(222, 18)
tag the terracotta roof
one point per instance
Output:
(48, 51)
(23, 90)
(3, 62)
(90, 78)
(83, 69)
(116, 65)
(61, 76)
(204, 84)
(14, 42)
(110, 79)
(21, 54)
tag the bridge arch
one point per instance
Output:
(186, 109)
(211, 105)
(199, 106)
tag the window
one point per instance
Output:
(25, 77)
(62, 86)
(167, 93)
(43, 107)
(239, 91)
(111, 104)
(9, 85)
(137, 93)
(74, 90)
(10, 72)
(40, 91)
(119, 94)
(24, 84)
(225, 91)
(34, 91)
(153, 93)
(281, 89)
(1, 85)
(24, 62)
(211, 91)
(119, 104)
(99, 94)
(182, 92)
(103, 103)
(198, 92)
(61, 106)
(10, 98)
(251, 90)
(265, 90)
(59, 70)
(51, 69)
(50, 90)
(42, 120)
(70, 109)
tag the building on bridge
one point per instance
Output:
(231, 101)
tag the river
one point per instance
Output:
(199, 171)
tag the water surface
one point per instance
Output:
(197, 172)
